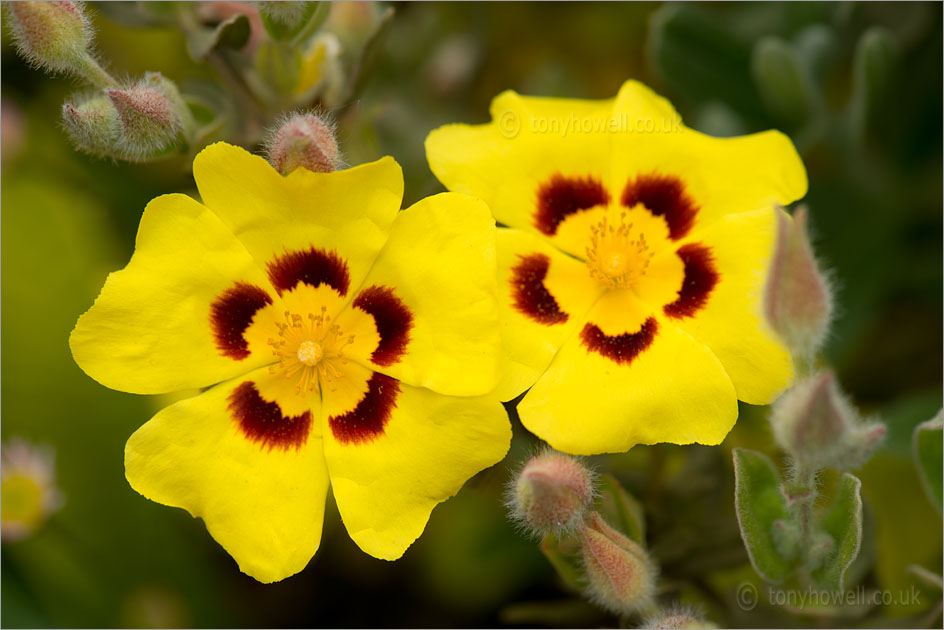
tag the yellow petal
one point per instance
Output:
(150, 330)
(348, 212)
(534, 324)
(529, 140)
(731, 323)
(386, 483)
(722, 175)
(262, 499)
(438, 273)
(667, 389)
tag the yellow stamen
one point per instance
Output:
(311, 351)
(617, 256)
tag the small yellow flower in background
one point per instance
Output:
(631, 276)
(347, 344)
(28, 492)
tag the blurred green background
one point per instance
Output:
(857, 86)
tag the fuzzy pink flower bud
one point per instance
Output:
(51, 35)
(797, 300)
(153, 116)
(93, 125)
(816, 424)
(551, 494)
(304, 140)
(619, 573)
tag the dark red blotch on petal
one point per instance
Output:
(664, 196)
(393, 319)
(313, 266)
(230, 316)
(620, 348)
(529, 293)
(562, 196)
(366, 422)
(701, 277)
(262, 421)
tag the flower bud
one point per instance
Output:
(304, 140)
(292, 21)
(620, 575)
(820, 428)
(93, 125)
(52, 35)
(153, 116)
(797, 299)
(551, 494)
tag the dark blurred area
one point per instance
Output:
(858, 86)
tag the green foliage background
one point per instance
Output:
(865, 111)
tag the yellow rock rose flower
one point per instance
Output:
(342, 342)
(631, 276)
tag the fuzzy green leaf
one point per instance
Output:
(621, 509)
(928, 444)
(842, 522)
(760, 505)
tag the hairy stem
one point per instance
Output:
(89, 69)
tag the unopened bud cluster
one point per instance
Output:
(145, 120)
(797, 300)
(306, 141)
(553, 495)
(818, 426)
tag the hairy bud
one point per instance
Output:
(819, 427)
(304, 140)
(51, 35)
(678, 618)
(292, 21)
(551, 494)
(797, 299)
(93, 125)
(619, 573)
(153, 116)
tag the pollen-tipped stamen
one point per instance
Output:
(614, 256)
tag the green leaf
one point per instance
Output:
(872, 70)
(928, 445)
(759, 505)
(233, 33)
(564, 555)
(842, 522)
(621, 509)
(782, 81)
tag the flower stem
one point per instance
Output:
(801, 492)
(89, 69)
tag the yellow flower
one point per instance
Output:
(630, 280)
(28, 489)
(346, 343)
